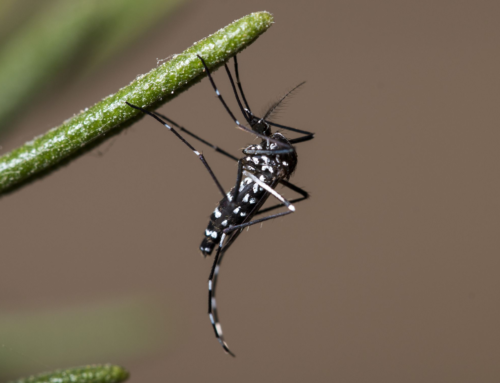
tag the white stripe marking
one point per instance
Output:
(270, 190)
(218, 327)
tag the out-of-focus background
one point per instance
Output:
(389, 273)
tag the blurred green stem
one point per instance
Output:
(76, 33)
(89, 374)
(151, 89)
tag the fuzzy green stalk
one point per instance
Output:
(149, 90)
(105, 373)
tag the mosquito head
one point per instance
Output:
(260, 126)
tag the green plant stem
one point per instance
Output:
(89, 374)
(151, 89)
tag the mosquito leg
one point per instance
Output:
(181, 128)
(224, 102)
(242, 127)
(301, 139)
(230, 229)
(239, 83)
(243, 111)
(270, 190)
(307, 135)
(198, 154)
(267, 152)
(212, 284)
(305, 195)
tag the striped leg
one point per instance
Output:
(305, 195)
(212, 284)
(182, 129)
(198, 154)
(239, 83)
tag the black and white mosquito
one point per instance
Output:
(264, 166)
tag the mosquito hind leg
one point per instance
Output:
(230, 229)
(212, 284)
(305, 195)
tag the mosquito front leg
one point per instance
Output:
(198, 154)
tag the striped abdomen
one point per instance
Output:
(230, 213)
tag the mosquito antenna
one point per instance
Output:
(275, 105)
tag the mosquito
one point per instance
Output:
(263, 167)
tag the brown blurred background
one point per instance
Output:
(389, 273)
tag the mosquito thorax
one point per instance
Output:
(272, 166)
